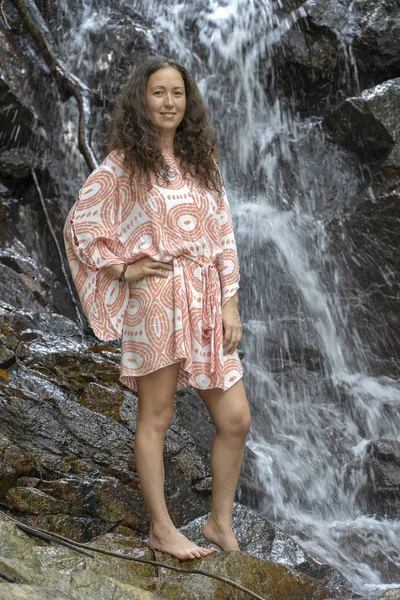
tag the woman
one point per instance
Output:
(152, 252)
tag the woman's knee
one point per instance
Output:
(156, 398)
(158, 419)
(237, 422)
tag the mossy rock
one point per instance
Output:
(69, 574)
(13, 591)
(270, 580)
(393, 594)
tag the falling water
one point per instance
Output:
(315, 407)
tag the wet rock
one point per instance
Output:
(262, 577)
(7, 357)
(336, 47)
(373, 228)
(16, 165)
(370, 552)
(393, 594)
(61, 569)
(369, 125)
(69, 466)
(20, 290)
(14, 464)
(71, 573)
(382, 489)
(62, 367)
(106, 400)
(22, 260)
(10, 591)
(377, 46)
(20, 126)
(259, 537)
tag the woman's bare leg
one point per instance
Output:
(155, 409)
(231, 414)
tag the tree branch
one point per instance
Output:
(68, 81)
(60, 254)
(3, 14)
(77, 546)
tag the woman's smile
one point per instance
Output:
(166, 102)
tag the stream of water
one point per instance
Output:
(312, 423)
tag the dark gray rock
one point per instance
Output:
(381, 492)
(369, 125)
(20, 125)
(16, 164)
(377, 45)
(67, 433)
(259, 537)
(335, 48)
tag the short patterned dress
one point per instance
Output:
(160, 320)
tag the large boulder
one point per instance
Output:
(56, 572)
(369, 126)
(66, 438)
(259, 537)
(67, 432)
(393, 594)
(335, 48)
(381, 492)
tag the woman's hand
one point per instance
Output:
(232, 326)
(146, 266)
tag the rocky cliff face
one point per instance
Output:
(342, 61)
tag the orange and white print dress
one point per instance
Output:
(160, 320)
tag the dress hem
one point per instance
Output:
(133, 387)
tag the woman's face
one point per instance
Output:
(166, 99)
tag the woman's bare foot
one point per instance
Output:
(220, 536)
(170, 540)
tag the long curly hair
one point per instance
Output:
(132, 132)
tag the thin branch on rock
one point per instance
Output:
(3, 14)
(69, 83)
(9, 578)
(60, 254)
(43, 534)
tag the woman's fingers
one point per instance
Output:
(157, 264)
(159, 268)
(232, 337)
(227, 338)
(159, 272)
(147, 266)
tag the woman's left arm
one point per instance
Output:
(229, 273)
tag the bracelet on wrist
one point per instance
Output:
(122, 274)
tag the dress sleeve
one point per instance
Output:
(228, 262)
(91, 243)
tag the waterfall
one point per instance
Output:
(315, 404)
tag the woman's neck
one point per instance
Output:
(167, 144)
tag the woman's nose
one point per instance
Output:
(168, 101)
